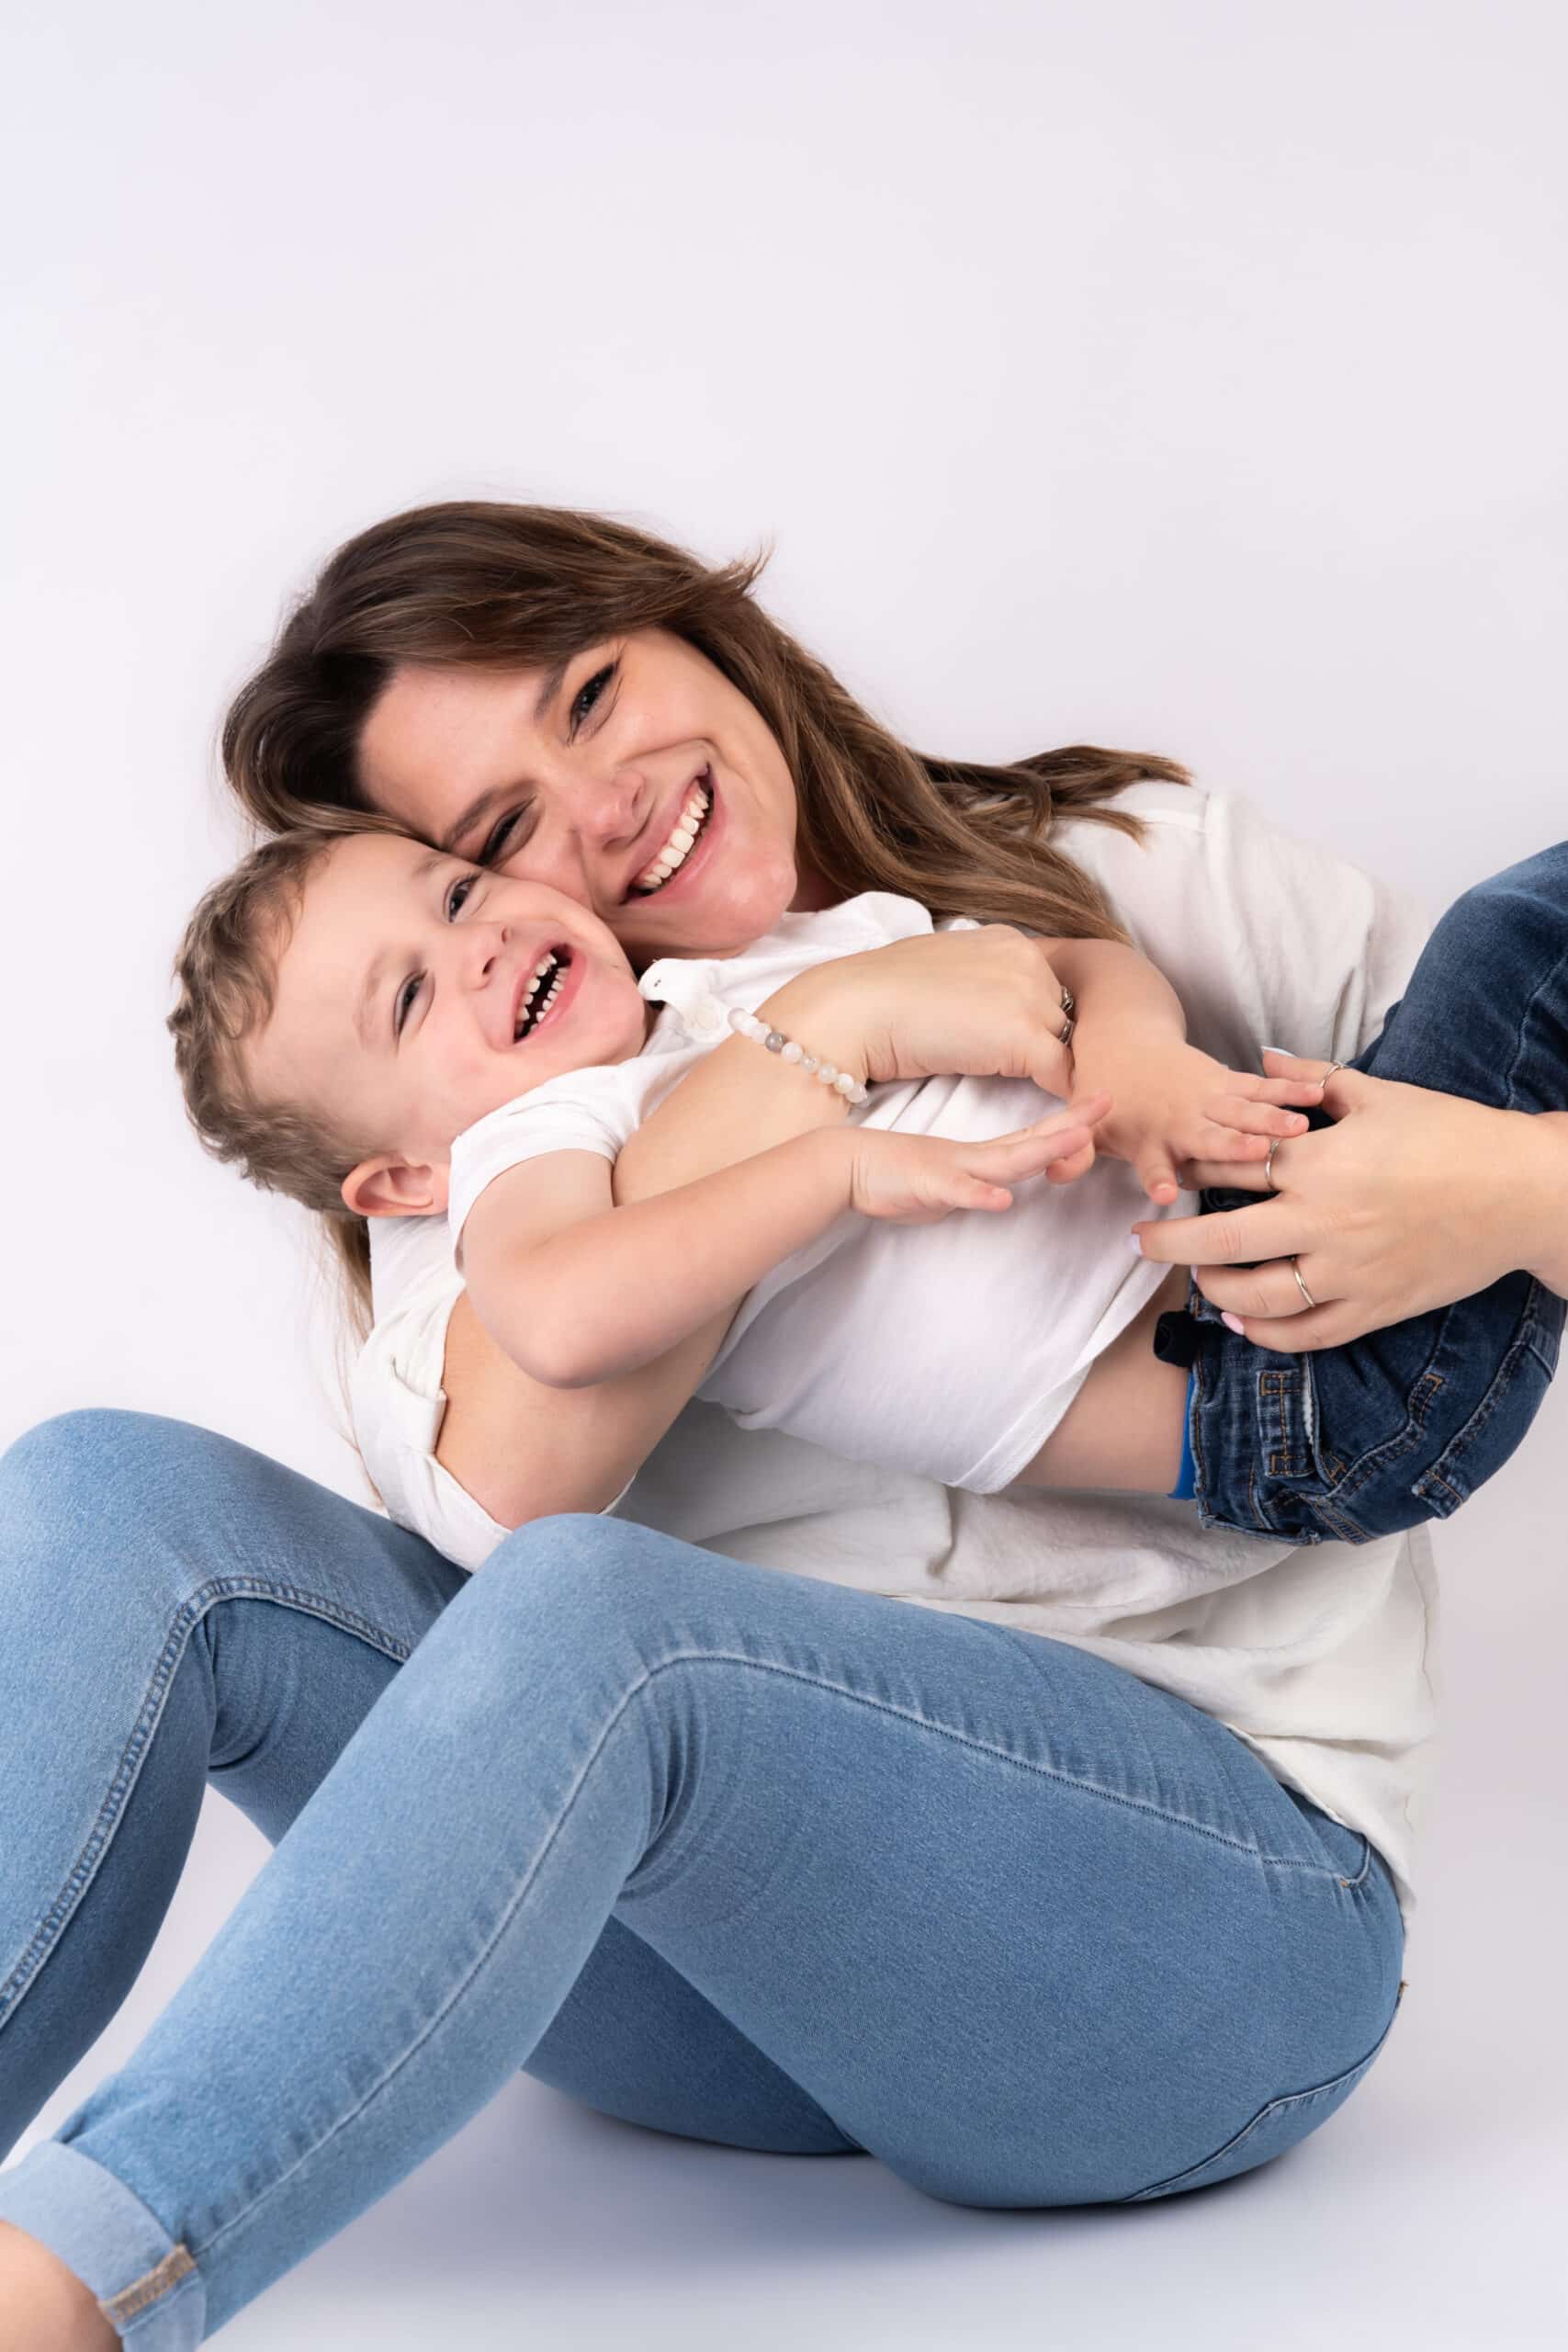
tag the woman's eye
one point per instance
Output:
(588, 694)
(405, 1004)
(457, 896)
(500, 842)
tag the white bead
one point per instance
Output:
(826, 1073)
(808, 1064)
(792, 1052)
(844, 1084)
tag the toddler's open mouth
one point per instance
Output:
(540, 992)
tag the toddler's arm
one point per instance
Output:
(577, 1292)
(1174, 1103)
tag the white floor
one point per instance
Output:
(1429, 2213)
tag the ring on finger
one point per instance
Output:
(1268, 1163)
(1296, 1270)
(1069, 1006)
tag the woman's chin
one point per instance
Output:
(720, 922)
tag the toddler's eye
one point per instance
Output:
(457, 896)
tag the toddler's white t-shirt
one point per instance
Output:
(951, 1349)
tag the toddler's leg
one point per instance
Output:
(1404, 1424)
(1486, 1011)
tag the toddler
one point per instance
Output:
(368, 1021)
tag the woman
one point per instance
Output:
(715, 1843)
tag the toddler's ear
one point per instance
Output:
(388, 1186)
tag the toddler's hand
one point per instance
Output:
(916, 1180)
(1176, 1105)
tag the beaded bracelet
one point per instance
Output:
(746, 1024)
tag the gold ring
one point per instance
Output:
(1295, 1268)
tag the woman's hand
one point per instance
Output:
(1411, 1200)
(982, 1003)
(916, 1180)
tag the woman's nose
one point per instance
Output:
(604, 810)
(577, 846)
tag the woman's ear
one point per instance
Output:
(388, 1186)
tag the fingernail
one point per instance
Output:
(1137, 1244)
(1278, 1049)
(1233, 1323)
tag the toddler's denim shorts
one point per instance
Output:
(1348, 1444)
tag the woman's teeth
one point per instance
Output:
(678, 848)
(533, 1007)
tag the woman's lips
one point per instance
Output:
(698, 855)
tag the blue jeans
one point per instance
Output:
(1350, 1444)
(727, 1851)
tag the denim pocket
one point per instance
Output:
(1498, 1424)
(1273, 2129)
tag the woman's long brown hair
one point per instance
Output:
(497, 587)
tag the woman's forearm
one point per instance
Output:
(985, 1002)
(736, 1100)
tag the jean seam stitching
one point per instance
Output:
(84, 1870)
(1282, 2100)
(1548, 980)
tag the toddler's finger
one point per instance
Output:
(974, 1193)
(1027, 1153)
(1087, 1112)
(1256, 1117)
(1216, 1175)
(1293, 1068)
(1228, 1143)
(1156, 1174)
(1067, 1171)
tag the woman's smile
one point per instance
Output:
(687, 837)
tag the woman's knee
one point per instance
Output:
(103, 1493)
(1519, 917)
(599, 1588)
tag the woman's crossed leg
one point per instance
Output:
(730, 1852)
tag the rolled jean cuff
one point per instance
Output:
(147, 2288)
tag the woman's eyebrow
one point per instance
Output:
(549, 687)
(474, 814)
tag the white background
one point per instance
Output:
(1189, 377)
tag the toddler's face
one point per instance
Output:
(416, 993)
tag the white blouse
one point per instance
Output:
(1319, 1657)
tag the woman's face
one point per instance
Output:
(637, 779)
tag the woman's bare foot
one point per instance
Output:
(43, 2306)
